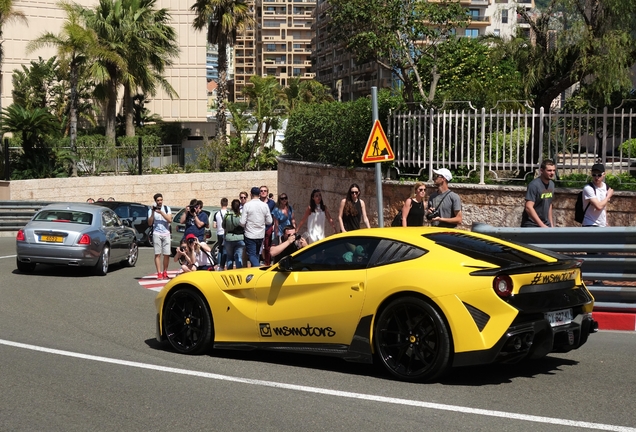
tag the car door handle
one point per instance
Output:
(358, 287)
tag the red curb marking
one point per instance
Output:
(615, 320)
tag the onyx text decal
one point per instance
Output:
(552, 278)
(307, 331)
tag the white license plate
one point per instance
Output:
(560, 317)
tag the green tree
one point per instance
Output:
(35, 85)
(76, 46)
(591, 41)
(32, 125)
(398, 34)
(224, 20)
(142, 45)
(106, 21)
(306, 91)
(267, 105)
(151, 44)
(8, 14)
(471, 71)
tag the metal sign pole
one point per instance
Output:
(378, 167)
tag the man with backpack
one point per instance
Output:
(596, 196)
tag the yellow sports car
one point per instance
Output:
(418, 300)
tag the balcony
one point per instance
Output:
(479, 20)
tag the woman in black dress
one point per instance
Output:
(413, 210)
(352, 210)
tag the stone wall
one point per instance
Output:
(491, 204)
(177, 189)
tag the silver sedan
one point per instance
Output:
(75, 234)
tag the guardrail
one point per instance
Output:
(14, 215)
(608, 254)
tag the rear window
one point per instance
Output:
(482, 249)
(68, 216)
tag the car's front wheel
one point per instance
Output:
(412, 340)
(101, 268)
(187, 322)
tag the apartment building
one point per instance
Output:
(337, 69)
(187, 76)
(279, 44)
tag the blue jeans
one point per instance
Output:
(234, 252)
(222, 257)
(253, 248)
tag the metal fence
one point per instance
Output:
(507, 143)
(120, 160)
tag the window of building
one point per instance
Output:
(504, 16)
(471, 33)
(271, 47)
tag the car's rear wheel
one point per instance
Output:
(101, 268)
(133, 254)
(149, 241)
(187, 322)
(24, 267)
(412, 340)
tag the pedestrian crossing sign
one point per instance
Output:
(378, 148)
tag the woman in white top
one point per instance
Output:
(315, 217)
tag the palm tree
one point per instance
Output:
(7, 15)
(105, 20)
(141, 39)
(267, 102)
(224, 20)
(76, 47)
(151, 44)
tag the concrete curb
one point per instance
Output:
(615, 320)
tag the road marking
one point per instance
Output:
(152, 283)
(329, 392)
(8, 256)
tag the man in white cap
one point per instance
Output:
(596, 196)
(444, 206)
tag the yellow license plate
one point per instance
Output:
(52, 239)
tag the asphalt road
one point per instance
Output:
(77, 353)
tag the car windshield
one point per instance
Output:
(79, 217)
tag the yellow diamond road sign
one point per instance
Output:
(378, 148)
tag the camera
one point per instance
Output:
(432, 215)
(155, 208)
(182, 249)
(297, 236)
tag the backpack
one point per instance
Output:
(579, 212)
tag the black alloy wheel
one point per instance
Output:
(412, 340)
(187, 322)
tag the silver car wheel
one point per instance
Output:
(101, 268)
(133, 255)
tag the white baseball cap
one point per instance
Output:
(444, 173)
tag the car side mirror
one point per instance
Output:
(285, 264)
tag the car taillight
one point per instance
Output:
(20, 236)
(502, 286)
(85, 239)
